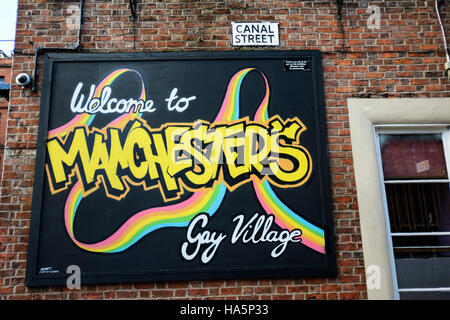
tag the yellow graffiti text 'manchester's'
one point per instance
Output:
(178, 156)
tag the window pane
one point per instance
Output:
(412, 156)
(423, 273)
(408, 247)
(418, 207)
(445, 295)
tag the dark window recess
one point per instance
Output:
(421, 247)
(415, 207)
(419, 208)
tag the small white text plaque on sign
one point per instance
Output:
(255, 34)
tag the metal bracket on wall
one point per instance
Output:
(133, 9)
(341, 27)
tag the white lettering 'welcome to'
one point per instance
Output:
(106, 104)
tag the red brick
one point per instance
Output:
(162, 293)
(407, 62)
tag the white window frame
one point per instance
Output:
(418, 129)
(364, 114)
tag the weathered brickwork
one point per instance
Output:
(404, 58)
(5, 75)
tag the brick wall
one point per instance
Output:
(404, 58)
(5, 73)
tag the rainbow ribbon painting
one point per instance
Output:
(207, 200)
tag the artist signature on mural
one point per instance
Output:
(47, 270)
(256, 230)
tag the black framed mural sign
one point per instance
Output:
(181, 166)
